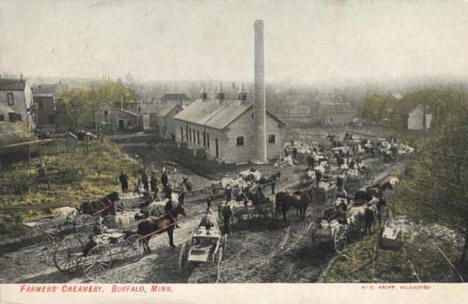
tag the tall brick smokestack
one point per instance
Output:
(260, 104)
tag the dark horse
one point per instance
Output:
(157, 225)
(374, 191)
(299, 200)
(104, 206)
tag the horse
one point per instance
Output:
(373, 191)
(66, 214)
(298, 200)
(157, 225)
(104, 206)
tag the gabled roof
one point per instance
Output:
(12, 84)
(174, 96)
(43, 96)
(212, 114)
(163, 110)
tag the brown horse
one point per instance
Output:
(299, 200)
(158, 225)
(104, 206)
(374, 191)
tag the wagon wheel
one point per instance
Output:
(182, 258)
(48, 238)
(85, 223)
(109, 221)
(132, 247)
(48, 225)
(98, 261)
(340, 242)
(32, 233)
(68, 254)
(219, 256)
(119, 206)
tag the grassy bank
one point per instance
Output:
(69, 179)
(419, 261)
(14, 132)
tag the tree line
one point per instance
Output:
(435, 185)
(76, 108)
(393, 112)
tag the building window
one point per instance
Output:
(11, 100)
(106, 115)
(240, 141)
(204, 139)
(40, 105)
(271, 139)
(190, 134)
(193, 136)
(181, 134)
(2, 118)
(198, 137)
(208, 140)
(186, 134)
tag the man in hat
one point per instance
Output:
(123, 182)
(209, 202)
(168, 209)
(227, 214)
(164, 178)
(144, 180)
(153, 182)
(228, 193)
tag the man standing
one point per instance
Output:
(168, 209)
(164, 178)
(227, 214)
(381, 210)
(209, 202)
(153, 182)
(144, 180)
(181, 197)
(123, 182)
(294, 152)
(228, 193)
(368, 219)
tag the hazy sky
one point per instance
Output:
(305, 41)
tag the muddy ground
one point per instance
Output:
(263, 251)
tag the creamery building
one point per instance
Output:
(231, 129)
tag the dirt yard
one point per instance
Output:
(264, 251)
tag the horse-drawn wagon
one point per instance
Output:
(242, 212)
(98, 255)
(333, 231)
(206, 245)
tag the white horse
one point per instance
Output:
(66, 214)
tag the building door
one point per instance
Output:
(217, 149)
(121, 124)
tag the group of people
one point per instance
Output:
(146, 183)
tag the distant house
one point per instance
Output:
(111, 119)
(45, 111)
(335, 114)
(175, 98)
(420, 118)
(16, 101)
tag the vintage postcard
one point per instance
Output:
(264, 151)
